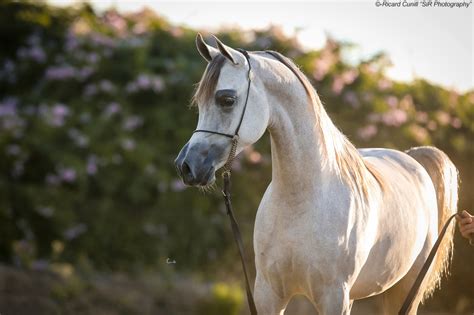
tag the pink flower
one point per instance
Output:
(91, 167)
(35, 53)
(146, 82)
(92, 58)
(8, 107)
(337, 85)
(323, 64)
(443, 118)
(177, 32)
(60, 72)
(254, 157)
(368, 132)
(75, 231)
(128, 144)
(394, 117)
(177, 185)
(60, 110)
(421, 117)
(103, 40)
(392, 101)
(67, 175)
(71, 43)
(432, 125)
(59, 113)
(132, 122)
(112, 109)
(419, 133)
(384, 84)
(79, 139)
(351, 98)
(116, 21)
(106, 86)
(140, 28)
(456, 122)
(349, 76)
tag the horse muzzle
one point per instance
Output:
(195, 165)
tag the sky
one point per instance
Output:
(434, 43)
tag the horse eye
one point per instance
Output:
(226, 98)
(227, 101)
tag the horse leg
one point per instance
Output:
(393, 298)
(334, 301)
(267, 300)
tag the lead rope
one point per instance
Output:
(233, 222)
(228, 202)
(238, 240)
(426, 266)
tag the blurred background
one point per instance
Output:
(94, 108)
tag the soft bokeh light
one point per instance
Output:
(437, 47)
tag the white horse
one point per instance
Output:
(336, 224)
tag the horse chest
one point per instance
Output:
(292, 245)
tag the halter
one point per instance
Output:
(235, 136)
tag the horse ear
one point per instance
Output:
(206, 51)
(236, 57)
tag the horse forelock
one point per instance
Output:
(207, 85)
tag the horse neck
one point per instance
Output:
(303, 138)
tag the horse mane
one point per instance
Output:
(336, 150)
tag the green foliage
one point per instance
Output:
(72, 287)
(93, 111)
(225, 299)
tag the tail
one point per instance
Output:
(444, 176)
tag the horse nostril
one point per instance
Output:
(187, 173)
